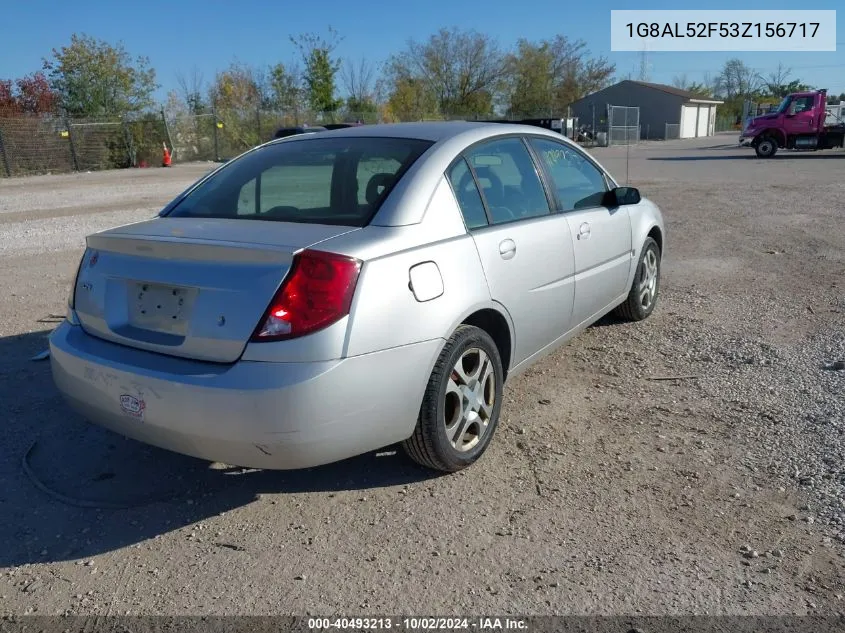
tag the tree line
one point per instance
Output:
(736, 82)
(453, 72)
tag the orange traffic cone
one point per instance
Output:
(166, 160)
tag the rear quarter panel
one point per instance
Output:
(385, 312)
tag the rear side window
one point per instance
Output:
(508, 179)
(466, 192)
(313, 180)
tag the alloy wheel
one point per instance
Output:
(470, 398)
(648, 279)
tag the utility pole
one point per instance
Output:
(645, 69)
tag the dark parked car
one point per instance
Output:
(340, 126)
(309, 129)
(291, 131)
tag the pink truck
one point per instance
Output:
(800, 122)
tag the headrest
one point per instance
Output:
(377, 185)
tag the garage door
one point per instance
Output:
(688, 121)
(703, 120)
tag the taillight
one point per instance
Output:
(316, 293)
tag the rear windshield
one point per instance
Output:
(313, 180)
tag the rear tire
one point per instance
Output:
(642, 298)
(461, 404)
(766, 147)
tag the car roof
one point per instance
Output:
(424, 130)
(439, 131)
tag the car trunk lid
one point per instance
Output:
(194, 288)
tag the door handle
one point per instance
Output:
(507, 249)
(584, 231)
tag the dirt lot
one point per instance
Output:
(608, 489)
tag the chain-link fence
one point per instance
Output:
(193, 137)
(100, 144)
(727, 124)
(52, 144)
(48, 144)
(623, 125)
(673, 131)
(34, 145)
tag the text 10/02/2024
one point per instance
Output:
(407, 624)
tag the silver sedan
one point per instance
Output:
(330, 294)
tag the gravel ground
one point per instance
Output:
(692, 463)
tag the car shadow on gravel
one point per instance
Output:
(74, 490)
(609, 319)
(750, 156)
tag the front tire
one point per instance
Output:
(766, 147)
(642, 297)
(461, 405)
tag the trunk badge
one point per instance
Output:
(132, 406)
(94, 259)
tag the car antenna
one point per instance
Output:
(627, 138)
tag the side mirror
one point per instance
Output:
(623, 196)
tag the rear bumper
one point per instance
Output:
(256, 414)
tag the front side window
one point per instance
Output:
(578, 182)
(314, 180)
(801, 104)
(784, 105)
